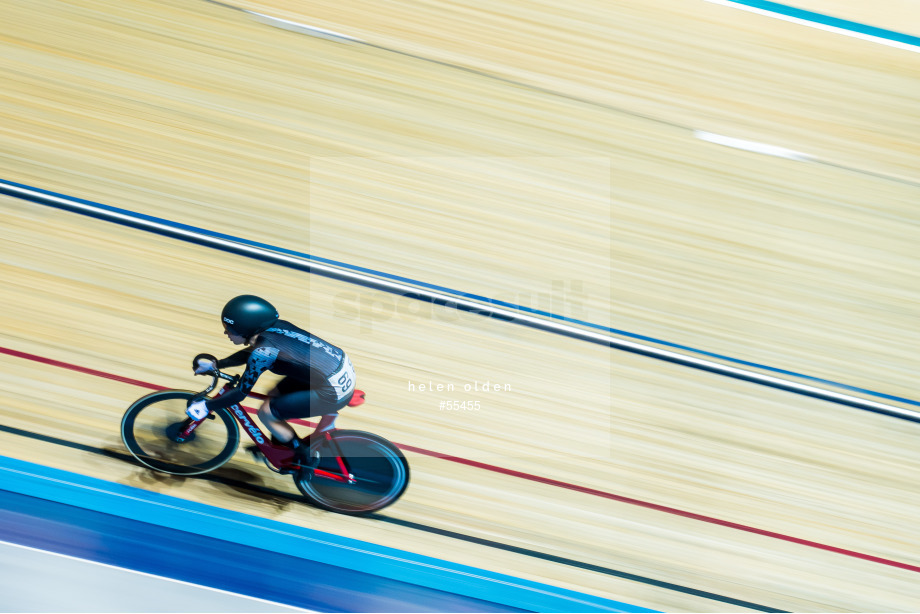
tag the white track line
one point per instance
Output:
(301, 28)
(754, 146)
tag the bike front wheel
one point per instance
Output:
(150, 426)
(379, 473)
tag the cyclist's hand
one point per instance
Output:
(197, 410)
(203, 365)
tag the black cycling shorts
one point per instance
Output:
(292, 398)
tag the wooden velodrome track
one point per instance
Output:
(546, 156)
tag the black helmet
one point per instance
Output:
(247, 315)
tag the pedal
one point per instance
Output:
(311, 461)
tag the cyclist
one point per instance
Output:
(319, 377)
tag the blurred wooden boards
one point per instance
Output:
(670, 437)
(692, 64)
(197, 113)
(529, 231)
(234, 154)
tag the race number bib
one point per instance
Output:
(343, 380)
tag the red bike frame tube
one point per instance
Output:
(331, 476)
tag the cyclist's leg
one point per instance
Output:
(301, 404)
(280, 430)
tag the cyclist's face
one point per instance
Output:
(236, 339)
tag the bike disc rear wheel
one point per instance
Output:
(380, 473)
(151, 423)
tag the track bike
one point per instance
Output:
(346, 471)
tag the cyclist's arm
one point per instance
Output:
(260, 360)
(234, 360)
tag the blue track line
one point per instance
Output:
(430, 286)
(834, 22)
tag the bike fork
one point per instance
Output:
(187, 427)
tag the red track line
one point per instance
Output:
(660, 508)
(517, 474)
(79, 369)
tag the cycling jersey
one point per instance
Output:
(288, 350)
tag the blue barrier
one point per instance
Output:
(165, 511)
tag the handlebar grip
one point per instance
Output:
(208, 357)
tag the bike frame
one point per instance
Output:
(281, 457)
